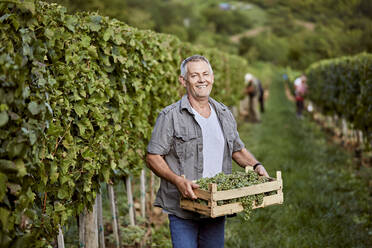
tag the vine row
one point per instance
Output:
(79, 96)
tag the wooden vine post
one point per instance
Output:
(101, 235)
(81, 230)
(360, 136)
(61, 242)
(130, 200)
(344, 129)
(151, 195)
(88, 232)
(143, 193)
(91, 231)
(115, 228)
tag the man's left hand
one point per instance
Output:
(261, 171)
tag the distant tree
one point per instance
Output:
(226, 21)
(365, 7)
(245, 44)
(272, 48)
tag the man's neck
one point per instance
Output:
(201, 106)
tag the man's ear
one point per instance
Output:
(182, 81)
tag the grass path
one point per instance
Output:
(325, 204)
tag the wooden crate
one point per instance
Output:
(212, 196)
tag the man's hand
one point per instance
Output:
(244, 158)
(261, 171)
(158, 165)
(186, 187)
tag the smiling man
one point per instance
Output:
(195, 137)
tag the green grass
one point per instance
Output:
(325, 204)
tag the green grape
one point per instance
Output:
(234, 181)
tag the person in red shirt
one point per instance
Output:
(300, 92)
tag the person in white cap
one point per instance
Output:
(253, 92)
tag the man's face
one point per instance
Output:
(199, 80)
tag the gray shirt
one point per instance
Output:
(178, 138)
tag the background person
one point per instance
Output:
(196, 137)
(261, 98)
(252, 90)
(300, 92)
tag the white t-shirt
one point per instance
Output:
(213, 143)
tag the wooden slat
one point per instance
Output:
(227, 209)
(271, 200)
(204, 212)
(279, 175)
(237, 207)
(251, 190)
(195, 205)
(202, 194)
(230, 208)
(213, 189)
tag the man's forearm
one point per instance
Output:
(244, 158)
(158, 165)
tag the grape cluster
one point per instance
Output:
(234, 181)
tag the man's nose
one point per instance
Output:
(201, 78)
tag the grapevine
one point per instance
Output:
(79, 95)
(342, 86)
(234, 181)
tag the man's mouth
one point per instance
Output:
(201, 86)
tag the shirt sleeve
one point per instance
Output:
(237, 142)
(162, 136)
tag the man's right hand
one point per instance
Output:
(186, 187)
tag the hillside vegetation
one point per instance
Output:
(296, 33)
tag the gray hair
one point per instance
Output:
(193, 58)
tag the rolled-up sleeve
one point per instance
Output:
(237, 142)
(162, 135)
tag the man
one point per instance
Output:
(253, 91)
(195, 137)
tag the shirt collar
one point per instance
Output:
(185, 104)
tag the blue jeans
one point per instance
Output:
(204, 233)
